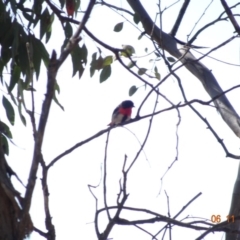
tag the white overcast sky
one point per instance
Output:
(201, 166)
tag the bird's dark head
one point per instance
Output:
(127, 104)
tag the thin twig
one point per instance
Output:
(231, 17)
(105, 176)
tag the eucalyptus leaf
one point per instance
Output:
(118, 27)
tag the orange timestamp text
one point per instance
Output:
(217, 218)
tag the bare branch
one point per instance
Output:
(105, 176)
(208, 80)
(146, 137)
(179, 18)
(40, 133)
(115, 7)
(51, 235)
(200, 18)
(31, 66)
(231, 17)
(183, 208)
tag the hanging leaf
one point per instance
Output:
(141, 35)
(105, 73)
(62, 2)
(23, 58)
(92, 64)
(157, 75)
(129, 50)
(4, 144)
(15, 76)
(118, 27)
(107, 60)
(141, 71)
(68, 30)
(23, 119)
(9, 110)
(4, 129)
(77, 6)
(39, 53)
(171, 59)
(84, 53)
(57, 102)
(44, 22)
(132, 90)
(136, 18)
(77, 61)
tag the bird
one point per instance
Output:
(122, 113)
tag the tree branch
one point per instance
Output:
(179, 18)
(231, 17)
(53, 67)
(208, 80)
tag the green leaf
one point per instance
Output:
(155, 69)
(146, 50)
(15, 76)
(84, 53)
(4, 144)
(57, 88)
(136, 18)
(77, 6)
(92, 64)
(6, 55)
(76, 60)
(4, 129)
(23, 58)
(57, 102)
(157, 75)
(39, 53)
(131, 64)
(129, 50)
(141, 71)
(132, 90)
(20, 113)
(105, 73)
(92, 71)
(107, 60)
(62, 2)
(48, 35)
(9, 110)
(140, 36)
(44, 22)
(118, 27)
(171, 59)
(68, 30)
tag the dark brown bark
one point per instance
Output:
(9, 206)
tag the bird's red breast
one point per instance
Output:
(125, 111)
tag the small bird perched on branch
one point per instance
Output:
(122, 113)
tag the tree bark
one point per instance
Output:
(10, 207)
(169, 44)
